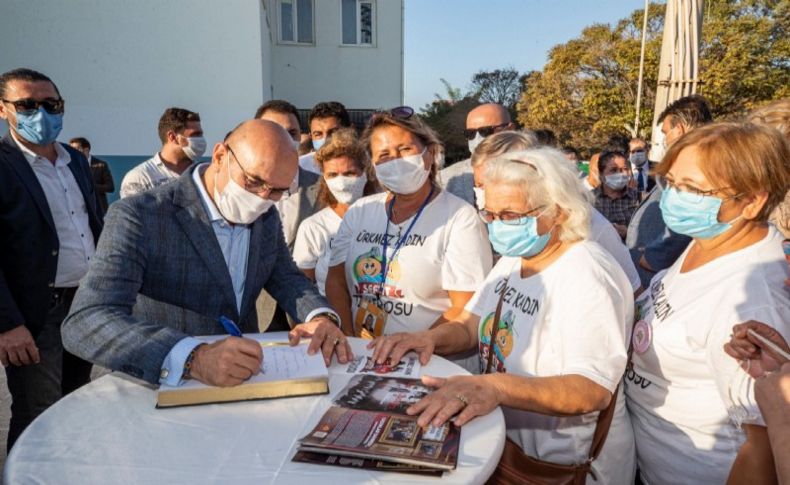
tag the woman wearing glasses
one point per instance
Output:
(694, 415)
(410, 258)
(550, 324)
(344, 179)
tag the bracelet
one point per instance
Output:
(188, 363)
(331, 317)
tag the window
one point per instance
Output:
(296, 21)
(358, 18)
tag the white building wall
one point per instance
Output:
(120, 63)
(357, 76)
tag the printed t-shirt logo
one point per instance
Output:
(367, 275)
(503, 345)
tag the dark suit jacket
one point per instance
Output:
(307, 194)
(102, 181)
(28, 242)
(159, 276)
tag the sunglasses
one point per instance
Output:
(28, 106)
(399, 112)
(483, 130)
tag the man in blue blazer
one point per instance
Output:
(175, 259)
(49, 223)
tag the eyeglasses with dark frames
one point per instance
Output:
(28, 106)
(257, 186)
(483, 130)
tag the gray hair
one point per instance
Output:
(546, 178)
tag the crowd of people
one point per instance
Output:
(619, 317)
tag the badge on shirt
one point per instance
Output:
(370, 319)
(643, 334)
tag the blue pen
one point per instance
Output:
(230, 327)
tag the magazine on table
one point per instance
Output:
(408, 366)
(368, 420)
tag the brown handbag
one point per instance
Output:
(517, 468)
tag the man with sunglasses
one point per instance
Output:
(181, 259)
(481, 122)
(49, 223)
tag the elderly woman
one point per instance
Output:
(550, 323)
(601, 231)
(344, 179)
(410, 258)
(694, 416)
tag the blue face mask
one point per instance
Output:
(687, 214)
(517, 241)
(39, 127)
(317, 144)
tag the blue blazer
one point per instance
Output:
(29, 244)
(159, 276)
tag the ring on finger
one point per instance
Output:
(336, 341)
(463, 399)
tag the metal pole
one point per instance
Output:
(641, 70)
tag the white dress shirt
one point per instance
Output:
(67, 205)
(149, 174)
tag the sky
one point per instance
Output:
(453, 39)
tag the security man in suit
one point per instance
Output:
(49, 225)
(176, 258)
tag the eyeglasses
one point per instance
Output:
(257, 186)
(28, 106)
(695, 195)
(399, 112)
(483, 130)
(508, 218)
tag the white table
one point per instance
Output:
(109, 432)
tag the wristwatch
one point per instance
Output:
(331, 316)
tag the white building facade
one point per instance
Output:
(119, 64)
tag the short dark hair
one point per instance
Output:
(175, 119)
(691, 111)
(23, 74)
(607, 156)
(329, 109)
(82, 142)
(546, 137)
(569, 149)
(278, 106)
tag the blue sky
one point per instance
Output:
(453, 39)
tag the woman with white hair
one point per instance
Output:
(550, 323)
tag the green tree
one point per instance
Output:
(587, 90)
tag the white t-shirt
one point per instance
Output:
(447, 249)
(312, 249)
(682, 387)
(149, 174)
(602, 232)
(571, 318)
(307, 162)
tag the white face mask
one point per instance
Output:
(403, 175)
(347, 190)
(617, 181)
(475, 141)
(196, 147)
(638, 159)
(480, 198)
(236, 204)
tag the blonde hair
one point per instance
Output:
(414, 124)
(775, 114)
(546, 178)
(744, 158)
(343, 143)
(503, 142)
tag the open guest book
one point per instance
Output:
(368, 421)
(285, 372)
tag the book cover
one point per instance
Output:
(368, 421)
(408, 366)
(362, 463)
(285, 372)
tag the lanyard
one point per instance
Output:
(399, 243)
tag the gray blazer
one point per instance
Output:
(458, 179)
(159, 276)
(307, 194)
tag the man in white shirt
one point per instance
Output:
(182, 144)
(49, 223)
(483, 121)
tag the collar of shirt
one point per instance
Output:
(63, 156)
(163, 166)
(208, 204)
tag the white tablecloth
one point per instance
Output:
(109, 432)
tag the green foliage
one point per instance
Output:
(587, 90)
